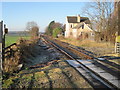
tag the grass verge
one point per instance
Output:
(57, 75)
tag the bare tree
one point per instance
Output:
(56, 25)
(33, 28)
(99, 13)
(35, 31)
(119, 18)
(31, 24)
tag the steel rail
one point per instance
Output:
(104, 82)
(114, 65)
(112, 68)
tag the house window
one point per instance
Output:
(92, 34)
(82, 26)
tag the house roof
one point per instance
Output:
(73, 19)
(85, 20)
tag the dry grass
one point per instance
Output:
(59, 75)
(10, 64)
(86, 43)
(100, 49)
(24, 50)
(117, 61)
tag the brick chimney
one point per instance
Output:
(78, 18)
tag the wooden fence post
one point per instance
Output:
(3, 43)
(1, 53)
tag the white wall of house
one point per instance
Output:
(85, 28)
(75, 33)
(67, 31)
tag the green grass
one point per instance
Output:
(13, 39)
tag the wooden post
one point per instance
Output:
(1, 46)
(3, 43)
(1, 49)
(1, 31)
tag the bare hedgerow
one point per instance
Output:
(24, 50)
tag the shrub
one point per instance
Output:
(57, 31)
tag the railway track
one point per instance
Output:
(108, 66)
(100, 60)
(95, 72)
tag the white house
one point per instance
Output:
(78, 27)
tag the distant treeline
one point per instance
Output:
(18, 33)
